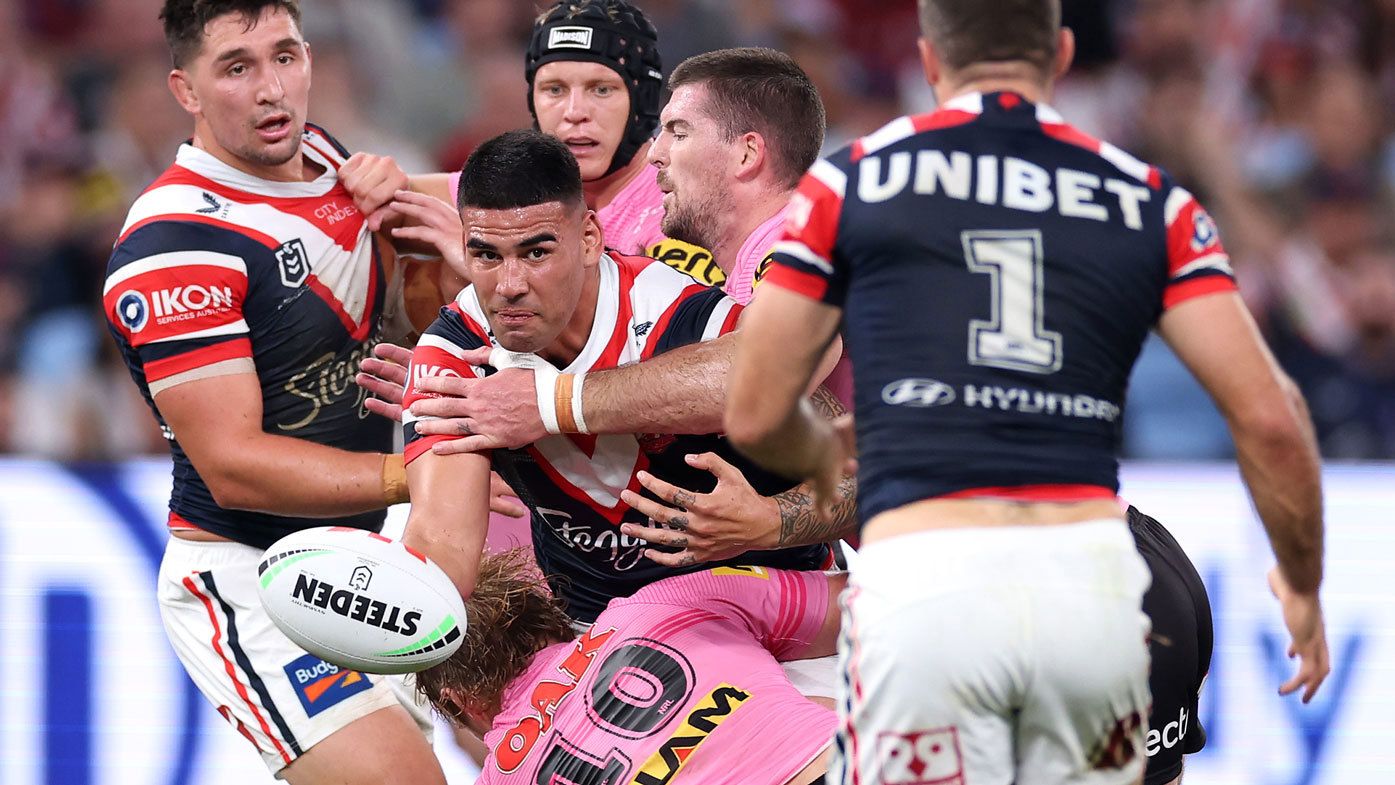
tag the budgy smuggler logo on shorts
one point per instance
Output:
(320, 684)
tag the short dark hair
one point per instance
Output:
(966, 32)
(512, 616)
(186, 20)
(519, 169)
(761, 90)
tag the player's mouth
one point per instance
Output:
(274, 128)
(513, 317)
(581, 146)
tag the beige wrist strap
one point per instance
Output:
(394, 479)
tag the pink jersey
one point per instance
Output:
(630, 223)
(743, 277)
(683, 675)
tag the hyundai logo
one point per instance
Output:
(920, 393)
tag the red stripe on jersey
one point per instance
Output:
(612, 514)
(797, 281)
(629, 268)
(419, 446)
(470, 324)
(264, 239)
(178, 300)
(429, 361)
(1191, 236)
(155, 370)
(812, 217)
(334, 213)
(358, 332)
(1036, 493)
(1071, 135)
(660, 630)
(661, 325)
(733, 316)
(789, 605)
(1196, 287)
(326, 154)
(178, 523)
(944, 118)
(232, 672)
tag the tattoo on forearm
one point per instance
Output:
(827, 404)
(800, 523)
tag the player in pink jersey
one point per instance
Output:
(681, 680)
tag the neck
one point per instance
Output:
(297, 169)
(569, 343)
(1025, 80)
(746, 215)
(600, 193)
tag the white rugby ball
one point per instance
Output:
(360, 600)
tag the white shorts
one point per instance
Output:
(993, 656)
(279, 697)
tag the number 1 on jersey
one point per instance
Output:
(1014, 338)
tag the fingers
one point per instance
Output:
(391, 352)
(386, 371)
(454, 386)
(389, 393)
(712, 462)
(680, 559)
(383, 409)
(446, 426)
(681, 498)
(647, 507)
(478, 356)
(506, 505)
(656, 535)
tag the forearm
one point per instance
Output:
(1281, 468)
(437, 185)
(792, 447)
(681, 391)
(281, 475)
(801, 524)
(449, 516)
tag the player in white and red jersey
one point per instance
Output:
(680, 682)
(242, 293)
(544, 290)
(995, 272)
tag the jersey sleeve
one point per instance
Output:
(804, 261)
(702, 314)
(175, 295)
(783, 609)
(439, 352)
(1197, 263)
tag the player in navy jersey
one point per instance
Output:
(548, 298)
(996, 272)
(242, 292)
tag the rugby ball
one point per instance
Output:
(360, 600)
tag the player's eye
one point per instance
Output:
(605, 91)
(285, 58)
(237, 69)
(535, 254)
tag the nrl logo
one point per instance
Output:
(293, 263)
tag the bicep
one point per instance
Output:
(450, 512)
(213, 416)
(1219, 342)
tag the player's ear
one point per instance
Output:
(753, 155)
(592, 239)
(183, 89)
(1065, 52)
(929, 61)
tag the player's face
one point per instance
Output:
(585, 105)
(528, 265)
(249, 90)
(692, 155)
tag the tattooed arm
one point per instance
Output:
(733, 518)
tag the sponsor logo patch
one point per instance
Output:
(711, 711)
(133, 310)
(320, 684)
(1204, 231)
(918, 393)
(749, 572)
(928, 757)
(569, 38)
(360, 578)
(293, 263)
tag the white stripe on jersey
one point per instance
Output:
(1214, 261)
(1125, 163)
(719, 317)
(831, 176)
(887, 135)
(174, 259)
(804, 254)
(238, 327)
(968, 102)
(1176, 200)
(437, 342)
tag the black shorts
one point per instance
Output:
(1180, 647)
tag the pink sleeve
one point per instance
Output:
(784, 609)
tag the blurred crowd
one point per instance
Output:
(1276, 113)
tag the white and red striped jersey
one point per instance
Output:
(218, 272)
(572, 483)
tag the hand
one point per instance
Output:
(373, 181)
(1303, 617)
(502, 499)
(498, 412)
(835, 462)
(385, 377)
(726, 522)
(432, 225)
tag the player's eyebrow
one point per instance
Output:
(538, 239)
(242, 52)
(674, 123)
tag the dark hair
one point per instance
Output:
(186, 20)
(519, 169)
(511, 616)
(966, 32)
(764, 91)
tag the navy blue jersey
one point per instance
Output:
(998, 272)
(1179, 648)
(571, 483)
(218, 272)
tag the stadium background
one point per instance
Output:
(1277, 113)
